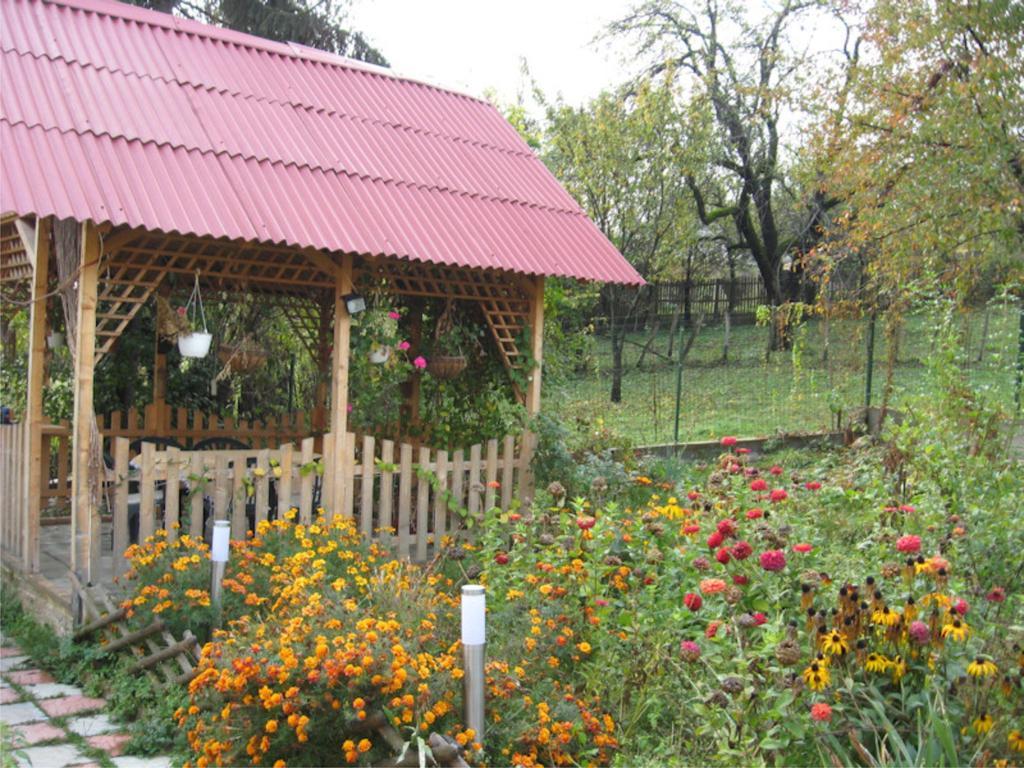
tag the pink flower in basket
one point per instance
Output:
(420, 362)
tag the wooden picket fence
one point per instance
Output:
(14, 465)
(407, 498)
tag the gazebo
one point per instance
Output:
(136, 146)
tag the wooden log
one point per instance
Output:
(239, 497)
(132, 638)
(37, 448)
(348, 460)
(327, 483)
(100, 623)
(339, 377)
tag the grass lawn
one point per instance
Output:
(757, 394)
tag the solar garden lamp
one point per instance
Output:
(219, 552)
(474, 638)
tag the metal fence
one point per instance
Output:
(732, 383)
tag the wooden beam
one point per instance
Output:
(83, 516)
(34, 392)
(322, 261)
(339, 381)
(27, 232)
(536, 322)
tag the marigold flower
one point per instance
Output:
(365, 745)
(981, 668)
(773, 560)
(821, 712)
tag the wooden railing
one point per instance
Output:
(187, 426)
(14, 465)
(407, 498)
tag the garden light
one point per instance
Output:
(474, 637)
(219, 552)
(354, 303)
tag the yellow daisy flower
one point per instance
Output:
(816, 676)
(876, 662)
(981, 668)
(983, 724)
(834, 643)
(1016, 739)
(886, 617)
(956, 629)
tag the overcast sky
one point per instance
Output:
(476, 45)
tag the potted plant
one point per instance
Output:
(452, 342)
(182, 324)
(376, 331)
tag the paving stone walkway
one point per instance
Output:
(55, 721)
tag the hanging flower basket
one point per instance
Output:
(380, 355)
(244, 357)
(195, 344)
(446, 366)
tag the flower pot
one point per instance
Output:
(380, 355)
(55, 340)
(195, 344)
(446, 366)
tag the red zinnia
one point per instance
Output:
(907, 508)
(742, 451)
(739, 579)
(908, 543)
(722, 555)
(753, 514)
(821, 712)
(776, 470)
(759, 485)
(727, 527)
(691, 529)
(779, 494)
(802, 547)
(728, 441)
(812, 485)
(741, 550)
(773, 560)
(961, 606)
(759, 619)
(692, 601)
(693, 495)
(996, 595)
(712, 629)
(715, 540)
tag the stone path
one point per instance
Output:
(58, 726)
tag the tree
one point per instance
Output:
(624, 158)
(316, 23)
(931, 166)
(743, 75)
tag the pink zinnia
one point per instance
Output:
(741, 550)
(909, 543)
(812, 485)
(689, 650)
(961, 606)
(773, 560)
(759, 485)
(420, 362)
(600, 602)
(802, 547)
(778, 494)
(394, 315)
(728, 441)
(403, 346)
(907, 508)
(996, 595)
(821, 712)
(753, 514)
(348, 408)
(919, 632)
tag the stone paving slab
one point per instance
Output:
(25, 712)
(35, 733)
(10, 650)
(71, 705)
(30, 677)
(130, 761)
(9, 696)
(111, 743)
(51, 690)
(8, 663)
(91, 726)
(55, 756)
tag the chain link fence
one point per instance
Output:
(731, 382)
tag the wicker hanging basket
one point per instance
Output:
(446, 366)
(243, 357)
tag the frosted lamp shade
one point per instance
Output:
(221, 541)
(474, 621)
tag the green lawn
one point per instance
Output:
(754, 394)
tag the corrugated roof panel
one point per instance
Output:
(171, 125)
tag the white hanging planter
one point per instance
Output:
(380, 355)
(55, 340)
(195, 344)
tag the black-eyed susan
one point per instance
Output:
(1016, 740)
(834, 643)
(898, 668)
(957, 630)
(816, 676)
(981, 668)
(983, 724)
(876, 662)
(885, 616)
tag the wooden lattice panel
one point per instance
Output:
(310, 319)
(123, 290)
(15, 267)
(506, 306)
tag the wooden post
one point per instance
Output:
(339, 381)
(34, 398)
(83, 514)
(536, 322)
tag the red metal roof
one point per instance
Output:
(118, 114)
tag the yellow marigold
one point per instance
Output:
(271, 726)
(584, 647)
(365, 745)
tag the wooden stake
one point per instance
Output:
(34, 396)
(83, 515)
